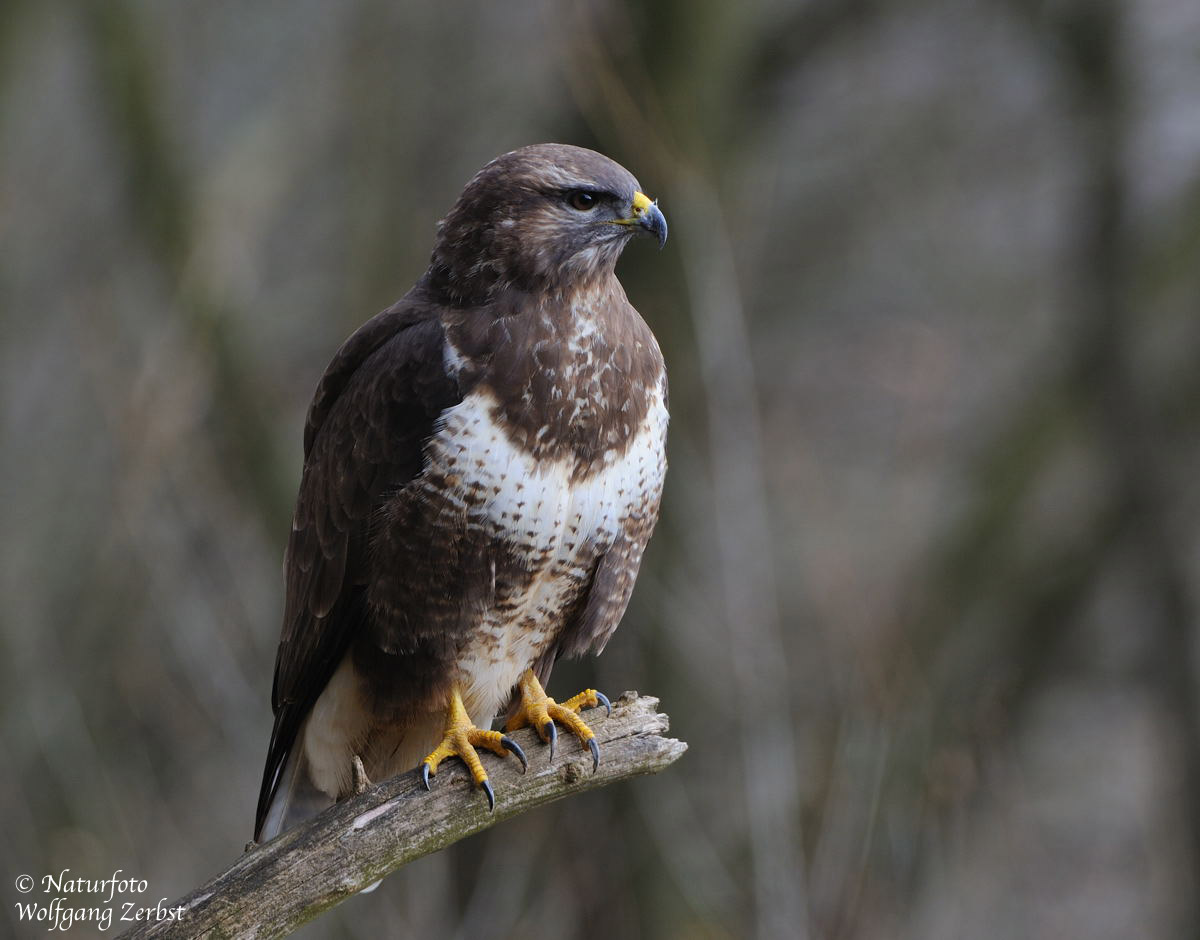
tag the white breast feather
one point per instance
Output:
(534, 504)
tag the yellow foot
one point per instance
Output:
(541, 711)
(461, 739)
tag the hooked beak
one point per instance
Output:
(645, 214)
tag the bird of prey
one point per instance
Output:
(483, 463)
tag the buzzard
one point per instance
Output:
(483, 463)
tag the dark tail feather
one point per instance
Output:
(296, 798)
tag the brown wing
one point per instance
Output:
(372, 413)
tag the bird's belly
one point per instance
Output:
(548, 521)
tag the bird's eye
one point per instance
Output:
(582, 200)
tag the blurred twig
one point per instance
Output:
(1086, 39)
(1125, 421)
(163, 212)
(1098, 390)
(276, 887)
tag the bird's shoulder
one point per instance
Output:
(399, 352)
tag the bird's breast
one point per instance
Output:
(563, 379)
(537, 501)
(548, 520)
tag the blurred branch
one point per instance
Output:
(1127, 423)
(1090, 38)
(163, 210)
(1097, 387)
(276, 887)
(802, 32)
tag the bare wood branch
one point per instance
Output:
(276, 887)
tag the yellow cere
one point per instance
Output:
(641, 202)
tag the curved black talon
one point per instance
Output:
(425, 775)
(603, 700)
(595, 749)
(487, 789)
(551, 735)
(510, 745)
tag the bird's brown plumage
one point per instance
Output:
(482, 469)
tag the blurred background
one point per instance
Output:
(923, 597)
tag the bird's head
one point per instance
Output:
(539, 218)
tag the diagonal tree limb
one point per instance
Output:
(276, 887)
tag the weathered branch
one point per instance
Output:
(276, 887)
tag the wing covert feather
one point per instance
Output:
(372, 413)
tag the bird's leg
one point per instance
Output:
(460, 740)
(541, 711)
